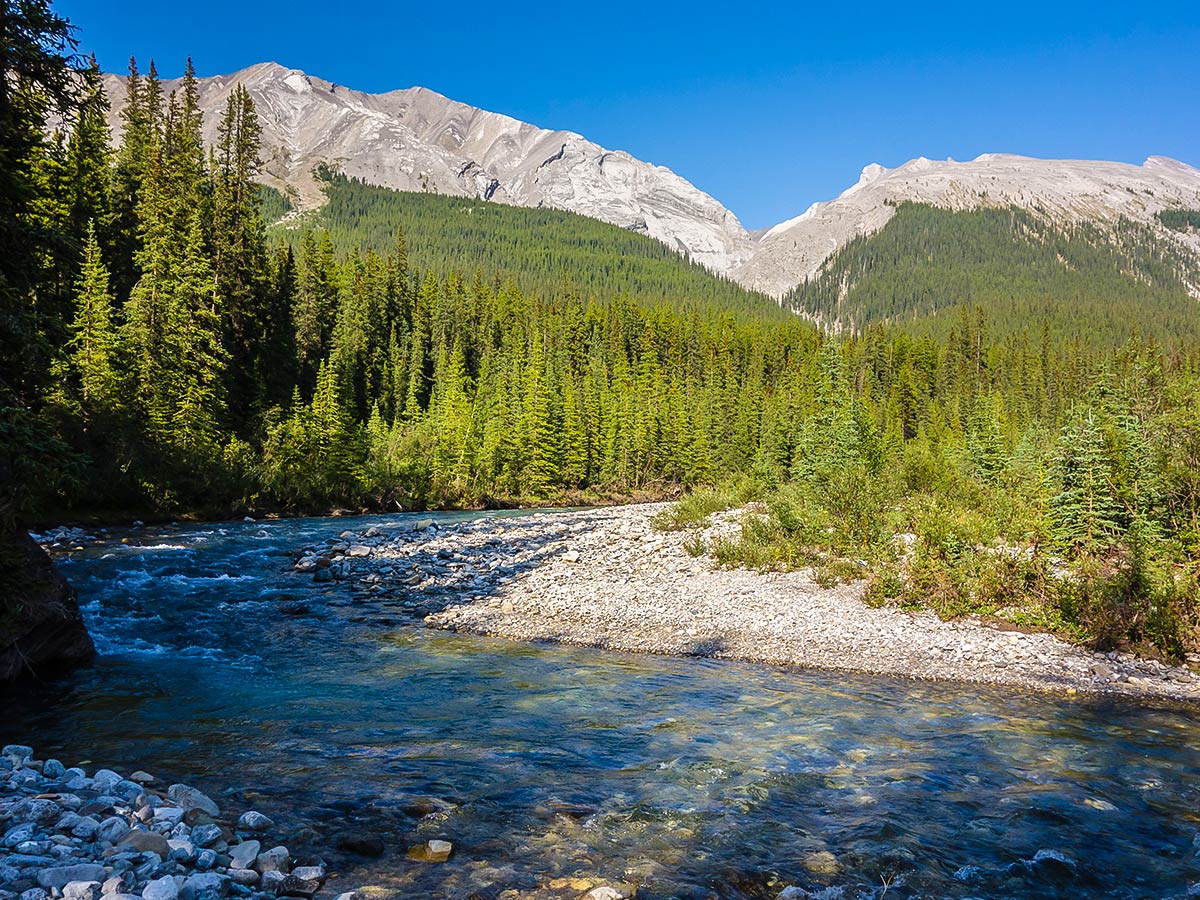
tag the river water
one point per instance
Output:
(684, 777)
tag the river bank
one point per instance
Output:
(607, 578)
(67, 834)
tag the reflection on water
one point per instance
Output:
(688, 778)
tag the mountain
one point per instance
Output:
(418, 140)
(1062, 192)
(928, 268)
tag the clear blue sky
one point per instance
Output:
(766, 109)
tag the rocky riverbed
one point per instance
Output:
(68, 835)
(608, 578)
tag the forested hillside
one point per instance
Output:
(1085, 283)
(542, 250)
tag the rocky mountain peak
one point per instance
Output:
(418, 140)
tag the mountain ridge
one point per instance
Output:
(415, 139)
(1064, 192)
(418, 140)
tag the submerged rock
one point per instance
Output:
(431, 851)
(361, 844)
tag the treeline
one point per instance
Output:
(1085, 283)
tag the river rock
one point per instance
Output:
(45, 629)
(203, 886)
(242, 856)
(144, 841)
(81, 890)
(60, 876)
(52, 768)
(19, 834)
(274, 860)
(255, 821)
(169, 815)
(16, 754)
(303, 880)
(432, 851)
(206, 835)
(605, 892)
(822, 863)
(163, 888)
(112, 829)
(34, 894)
(247, 877)
(85, 829)
(190, 798)
(271, 882)
(142, 777)
(105, 780)
(362, 844)
(194, 817)
(43, 812)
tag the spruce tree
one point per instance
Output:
(92, 348)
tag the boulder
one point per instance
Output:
(41, 628)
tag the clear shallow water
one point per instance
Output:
(690, 778)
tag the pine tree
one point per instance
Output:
(239, 253)
(315, 309)
(540, 472)
(89, 161)
(1084, 512)
(92, 349)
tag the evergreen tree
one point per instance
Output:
(92, 349)
(1084, 511)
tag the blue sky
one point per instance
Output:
(766, 109)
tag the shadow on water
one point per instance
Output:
(687, 777)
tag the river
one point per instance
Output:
(685, 777)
